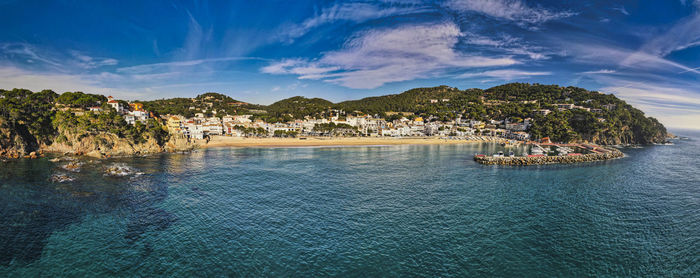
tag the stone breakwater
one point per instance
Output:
(539, 160)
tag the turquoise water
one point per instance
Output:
(355, 211)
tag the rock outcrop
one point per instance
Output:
(16, 142)
(108, 145)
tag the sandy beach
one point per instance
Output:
(225, 141)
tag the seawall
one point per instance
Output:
(540, 160)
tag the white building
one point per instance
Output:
(115, 104)
(132, 116)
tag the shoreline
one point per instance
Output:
(225, 141)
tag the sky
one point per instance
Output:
(645, 52)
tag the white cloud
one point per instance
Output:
(514, 10)
(355, 11)
(21, 53)
(673, 106)
(608, 55)
(26, 52)
(602, 71)
(505, 74)
(622, 10)
(373, 58)
(684, 34)
(87, 62)
(12, 77)
(149, 68)
(507, 44)
(299, 67)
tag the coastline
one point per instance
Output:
(225, 141)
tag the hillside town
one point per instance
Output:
(338, 124)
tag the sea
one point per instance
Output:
(389, 211)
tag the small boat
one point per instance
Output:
(499, 154)
(511, 154)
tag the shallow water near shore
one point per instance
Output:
(409, 210)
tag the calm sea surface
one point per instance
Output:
(355, 211)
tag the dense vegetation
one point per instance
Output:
(296, 108)
(80, 99)
(27, 115)
(108, 122)
(618, 123)
(39, 117)
(513, 102)
(31, 119)
(206, 103)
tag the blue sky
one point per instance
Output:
(646, 52)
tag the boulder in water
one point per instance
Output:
(61, 178)
(119, 170)
(72, 166)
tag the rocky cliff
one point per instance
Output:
(15, 144)
(108, 144)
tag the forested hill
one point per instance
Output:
(594, 117)
(204, 103)
(297, 107)
(599, 118)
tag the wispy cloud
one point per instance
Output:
(156, 67)
(372, 58)
(504, 74)
(684, 34)
(507, 44)
(611, 55)
(673, 106)
(13, 77)
(354, 12)
(28, 54)
(87, 62)
(622, 10)
(602, 71)
(513, 10)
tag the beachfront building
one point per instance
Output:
(230, 129)
(518, 135)
(194, 130)
(477, 124)
(238, 119)
(174, 124)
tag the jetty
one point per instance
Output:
(594, 153)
